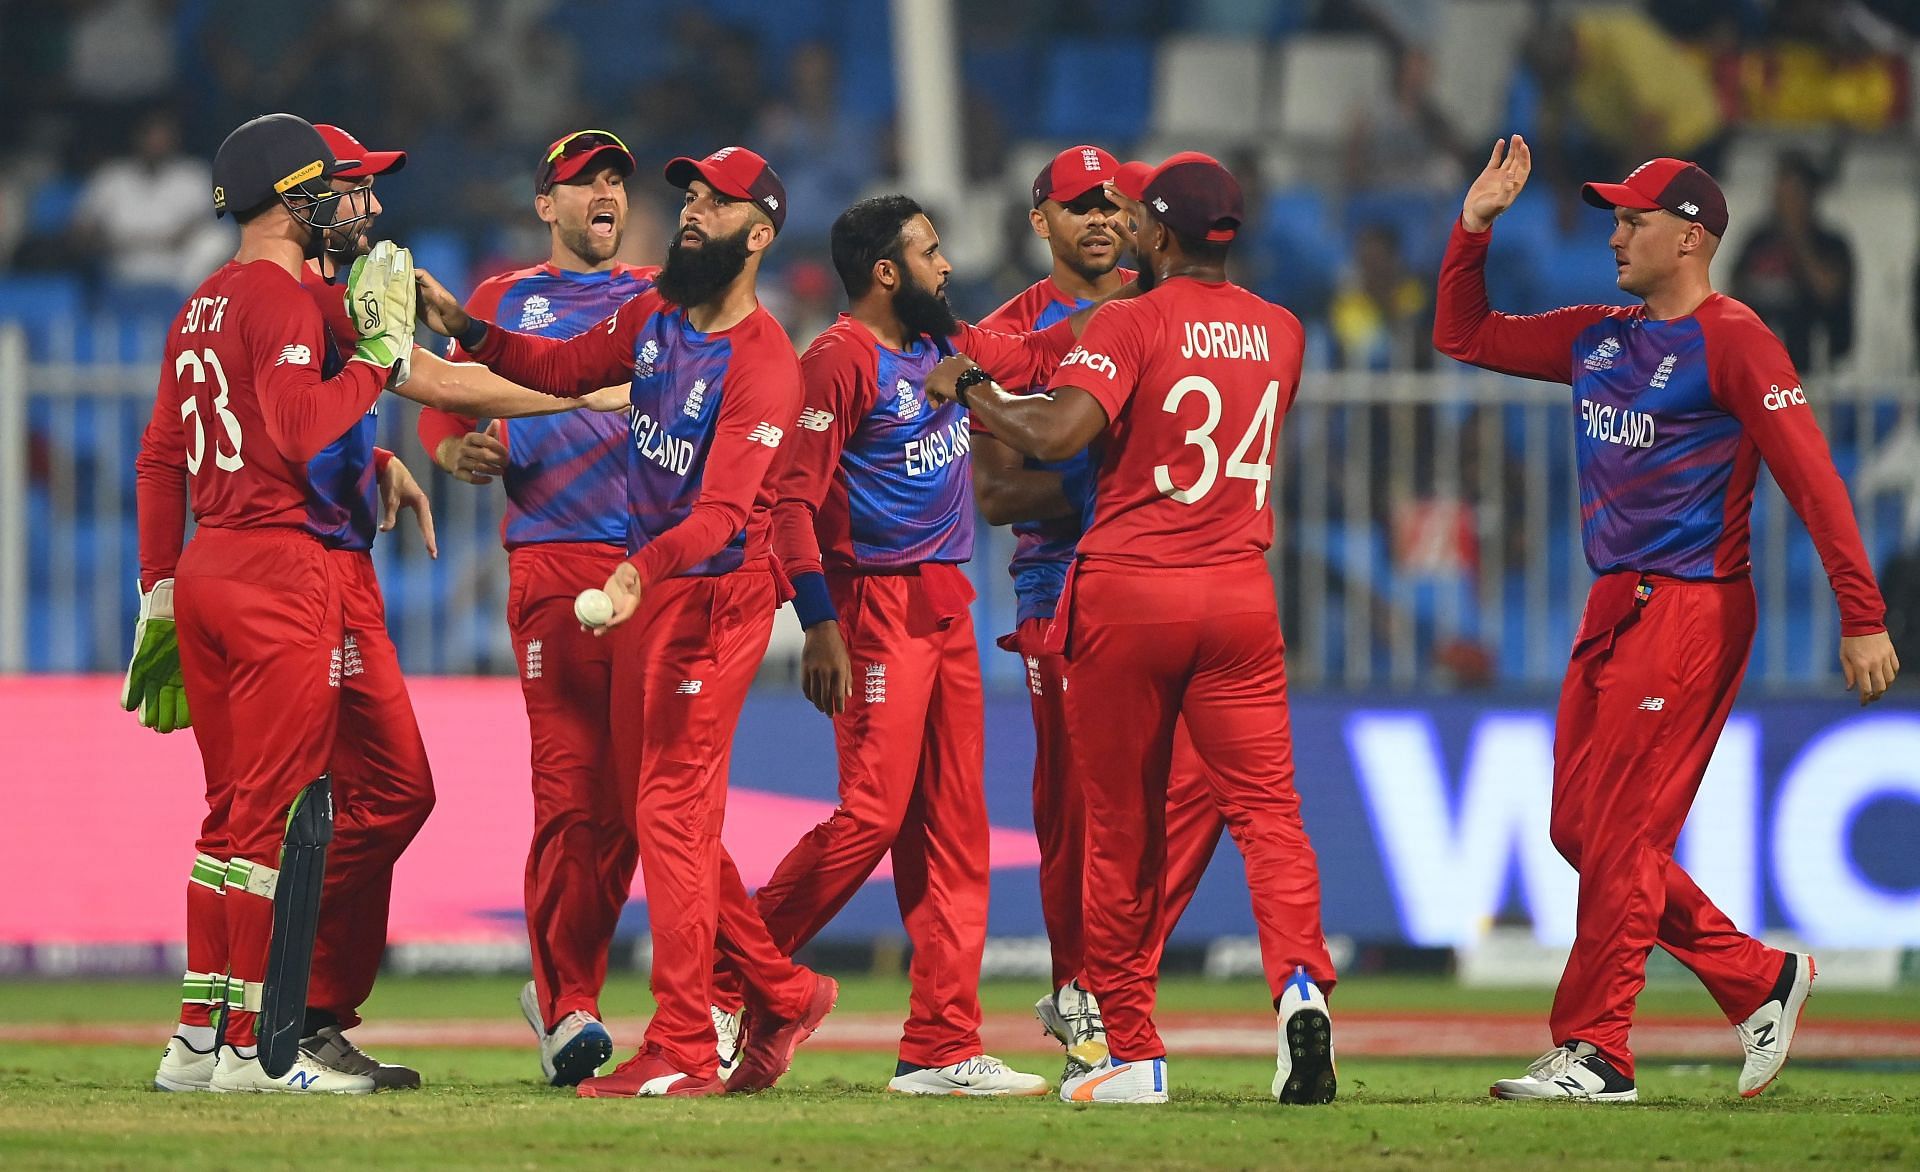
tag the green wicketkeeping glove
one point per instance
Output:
(380, 298)
(154, 688)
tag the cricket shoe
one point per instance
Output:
(1768, 1033)
(1072, 1016)
(235, 1073)
(576, 1047)
(183, 1068)
(982, 1074)
(646, 1075)
(1573, 1071)
(1125, 1082)
(767, 1046)
(726, 1043)
(1304, 1071)
(330, 1047)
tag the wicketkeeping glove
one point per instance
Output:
(380, 298)
(154, 688)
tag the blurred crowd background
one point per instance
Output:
(1421, 534)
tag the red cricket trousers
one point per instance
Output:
(681, 670)
(1060, 812)
(911, 760)
(382, 794)
(1646, 695)
(261, 622)
(1144, 649)
(582, 858)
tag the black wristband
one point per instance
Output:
(973, 376)
(474, 336)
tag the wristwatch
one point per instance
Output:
(973, 376)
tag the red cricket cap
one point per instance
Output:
(356, 161)
(1672, 185)
(738, 172)
(569, 156)
(1072, 173)
(1190, 193)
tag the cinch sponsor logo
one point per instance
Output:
(930, 453)
(814, 419)
(1616, 425)
(1779, 400)
(1097, 363)
(660, 446)
(1224, 339)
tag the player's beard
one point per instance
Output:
(1144, 273)
(595, 250)
(1093, 270)
(922, 311)
(694, 276)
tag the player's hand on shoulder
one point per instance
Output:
(1869, 664)
(826, 671)
(1498, 185)
(438, 308)
(941, 379)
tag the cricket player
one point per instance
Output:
(258, 599)
(1047, 505)
(873, 518)
(566, 524)
(1679, 400)
(1169, 613)
(715, 391)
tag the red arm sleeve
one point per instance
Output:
(436, 425)
(833, 379)
(160, 484)
(765, 396)
(1465, 327)
(304, 413)
(577, 366)
(1016, 360)
(1753, 378)
(1110, 357)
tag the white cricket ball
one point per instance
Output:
(594, 608)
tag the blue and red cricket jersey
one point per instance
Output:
(566, 474)
(343, 494)
(879, 478)
(1672, 419)
(709, 412)
(1044, 549)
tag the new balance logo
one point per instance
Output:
(1159, 205)
(773, 204)
(1571, 1085)
(814, 419)
(533, 664)
(1763, 1036)
(767, 434)
(689, 688)
(302, 1079)
(1690, 208)
(1653, 703)
(294, 356)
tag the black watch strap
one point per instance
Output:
(972, 377)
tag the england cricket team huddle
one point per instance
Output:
(674, 474)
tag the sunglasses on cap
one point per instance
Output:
(596, 138)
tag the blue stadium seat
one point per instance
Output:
(622, 42)
(1420, 218)
(1005, 75)
(1098, 90)
(51, 307)
(866, 59)
(51, 207)
(444, 254)
(1300, 250)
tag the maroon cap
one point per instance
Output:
(738, 172)
(1672, 185)
(1190, 193)
(1072, 173)
(356, 161)
(569, 157)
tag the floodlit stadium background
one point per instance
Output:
(1426, 558)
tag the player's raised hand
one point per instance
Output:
(440, 309)
(941, 378)
(624, 589)
(826, 671)
(1499, 185)
(1870, 664)
(399, 490)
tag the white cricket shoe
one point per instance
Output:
(1128, 1082)
(726, 1032)
(183, 1068)
(1768, 1033)
(1574, 1071)
(982, 1074)
(1304, 1071)
(1072, 1016)
(234, 1073)
(574, 1049)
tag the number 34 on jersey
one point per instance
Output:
(1259, 469)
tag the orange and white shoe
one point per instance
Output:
(1108, 1081)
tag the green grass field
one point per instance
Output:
(87, 1106)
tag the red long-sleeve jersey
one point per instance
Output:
(241, 409)
(1672, 420)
